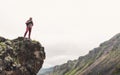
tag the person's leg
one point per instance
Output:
(30, 28)
(26, 32)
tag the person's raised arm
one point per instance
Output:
(26, 21)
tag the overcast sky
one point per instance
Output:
(66, 28)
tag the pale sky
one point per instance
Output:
(66, 28)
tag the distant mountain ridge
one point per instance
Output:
(103, 60)
(45, 71)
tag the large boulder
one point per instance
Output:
(20, 56)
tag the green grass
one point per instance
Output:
(72, 72)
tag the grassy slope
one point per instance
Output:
(108, 64)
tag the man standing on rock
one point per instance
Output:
(29, 25)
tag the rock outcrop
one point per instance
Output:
(20, 56)
(103, 60)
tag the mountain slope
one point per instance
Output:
(20, 56)
(103, 60)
